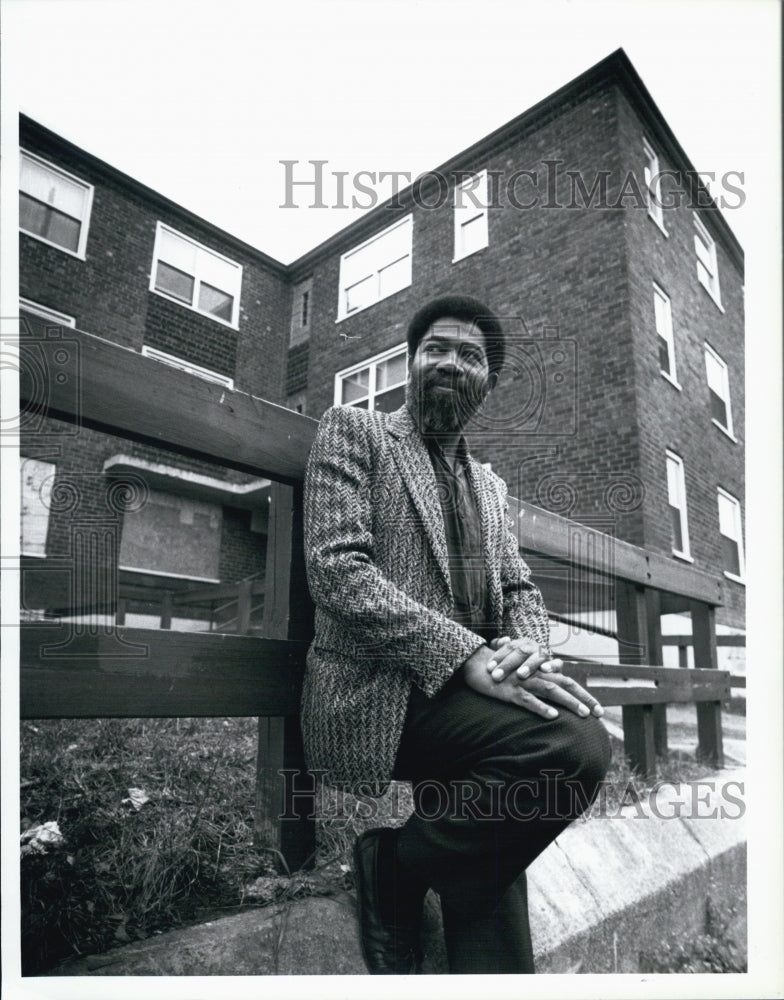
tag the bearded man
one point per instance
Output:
(431, 660)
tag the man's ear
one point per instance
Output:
(492, 381)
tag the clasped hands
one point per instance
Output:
(521, 672)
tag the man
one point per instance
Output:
(431, 660)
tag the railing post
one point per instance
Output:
(632, 606)
(287, 614)
(244, 601)
(166, 609)
(638, 739)
(710, 746)
(655, 658)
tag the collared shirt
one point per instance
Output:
(462, 525)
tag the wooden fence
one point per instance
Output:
(78, 670)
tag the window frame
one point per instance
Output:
(44, 312)
(652, 175)
(728, 430)
(173, 361)
(84, 223)
(371, 363)
(668, 335)
(48, 475)
(201, 248)
(342, 312)
(460, 252)
(702, 236)
(673, 459)
(738, 519)
(299, 332)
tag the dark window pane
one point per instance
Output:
(730, 556)
(361, 406)
(45, 221)
(664, 356)
(386, 402)
(677, 534)
(305, 304)
(174, 282)
(718, 408)
(215, 302)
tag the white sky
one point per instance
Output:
(202, 100)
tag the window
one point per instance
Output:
(378, 384)
(471, 215)
(707, 266)
(37, 480)
(187, 366)
(662, 312)
(731, 536)
(653, 185)
(172, 536)
(196, 277)
(298, 402)
(54, 206)
(376, 269)
(52, 315)
(719, 390)
(676, 497)
(300, 313)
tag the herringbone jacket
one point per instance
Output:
(379, 576)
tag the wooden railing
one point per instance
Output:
(75, 670)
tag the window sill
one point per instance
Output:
(659, 225)
(716, 301)
(673, 382)
(724, 431)
(735, 579)
(470, 253)
(184, 305)
(79, 254)
(33, 555)
(683, 556)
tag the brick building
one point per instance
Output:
(582, 222)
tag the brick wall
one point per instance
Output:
(680, 420)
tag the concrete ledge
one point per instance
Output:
(609, 888)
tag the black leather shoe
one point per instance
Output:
(388, 949)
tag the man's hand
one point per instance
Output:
(556, 687)
(523, 656)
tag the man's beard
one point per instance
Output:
(437, 410)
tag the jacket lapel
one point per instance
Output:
(417, 471)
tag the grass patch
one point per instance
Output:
(126, 869)
(715, 951)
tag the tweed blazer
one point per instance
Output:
(378, 572)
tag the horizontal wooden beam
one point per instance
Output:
(128, 673)
(687, 640)
(122, 392)
(620, 684)
(146, 673)
(579, 545)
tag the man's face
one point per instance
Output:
(449, 376)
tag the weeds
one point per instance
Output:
(131, 865)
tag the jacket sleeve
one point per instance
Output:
(382, 622)
(525, 615)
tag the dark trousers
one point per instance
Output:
(494, 785)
